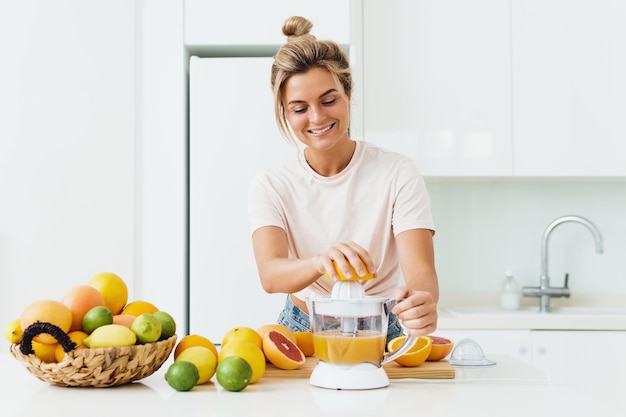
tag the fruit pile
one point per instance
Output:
(242, 358)
(94, 315)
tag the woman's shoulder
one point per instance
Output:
(384, 156)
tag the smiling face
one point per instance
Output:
(317, 109)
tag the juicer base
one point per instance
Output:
(349, 377)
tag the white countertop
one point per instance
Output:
(509, 388)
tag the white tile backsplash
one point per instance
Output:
(485, 225)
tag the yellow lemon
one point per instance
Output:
(194, 340)
(203, 358)
(113, 290)
(13, 331)
(45, 351)
(248, 351)
(342, 277)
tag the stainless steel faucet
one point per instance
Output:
(544, 292)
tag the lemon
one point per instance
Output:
(355, 276)
(168, 325)
(113, 290)
(250, 352)
(13, 331)
(147, 328)
(96, 317)
(45, 351)
(182, 375)
(203, 358)
(110, 335)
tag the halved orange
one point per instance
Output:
(417, 355)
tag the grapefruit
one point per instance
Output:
(243, 334)
(291, 335)
(304, 340)
(193, 340)
(47, 311)
(282, 352)
(441, 348)
(80, 300)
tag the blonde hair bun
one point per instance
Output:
(297, 26)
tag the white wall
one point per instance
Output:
(483, 226)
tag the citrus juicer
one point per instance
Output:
(349, 337)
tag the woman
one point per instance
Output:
(338, 200)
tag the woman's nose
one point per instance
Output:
(316, 114)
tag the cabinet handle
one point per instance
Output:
(541, 350)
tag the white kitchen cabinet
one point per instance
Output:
(437, 83)
(233, 134)
(253, 23)
(515, 343)
(67, 149)
(569, 89)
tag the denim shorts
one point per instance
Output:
(298, 321)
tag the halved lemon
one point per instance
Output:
(417, 355)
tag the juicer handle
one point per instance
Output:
(404, 348)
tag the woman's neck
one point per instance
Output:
(331, 162)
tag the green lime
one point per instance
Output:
(168, 325)
(96, 317)
(182, 375)
(147, 328)
(233, 373)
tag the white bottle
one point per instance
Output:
(510, 291)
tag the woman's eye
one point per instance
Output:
(327, 102)
(299, 110)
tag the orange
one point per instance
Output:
(278, 327)
(50, 311)
(139, 307)
(304, 340)
(416, 355)
(113, 289)
(193, 340)
(80, 300)
(243, 334)
(282, 352)
(249, 352)
(441, 348)
(76, 337)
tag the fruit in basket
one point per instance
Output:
(281, 351)
(233, 373)
(168, 324)
(124, 319)
(80, 299)
(182, 375)
(113, 289)
(248, 351)
(441, 348)
(193, 340)
(147, 328)
(416, 356)
(77, 337)
(96, 317)
(203, 359)
(49, 311)
(242, 334)
(110, 335)
(45, 352)
(13, 331)
(138, 307)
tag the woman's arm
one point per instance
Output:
(278, 273)
(418, 308)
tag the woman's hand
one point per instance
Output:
(344, 255)
(417, 311)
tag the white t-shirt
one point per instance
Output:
(377, 196)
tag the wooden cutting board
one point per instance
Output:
(428, 370)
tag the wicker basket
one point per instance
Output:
(101, 367)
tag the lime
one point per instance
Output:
(168, 325)
(233, 373)
(204, 359)
(147, 328)
(182, 375)
(96, 317)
